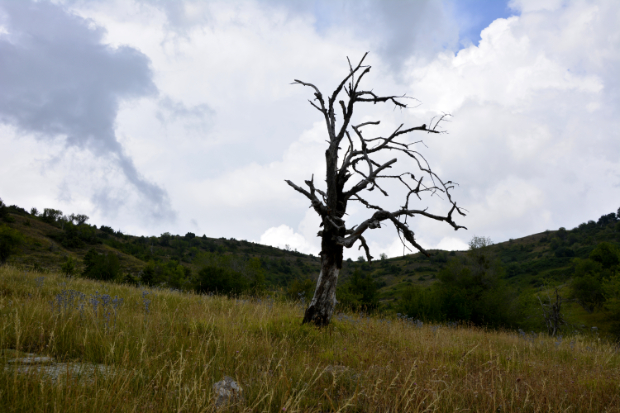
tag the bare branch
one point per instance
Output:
(332, 99)
(379, 99)
(442, 118)
(316, 89)
(318, 206)
(370, 179)
(366, 123)
(366, 249)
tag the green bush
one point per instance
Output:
(51, 216)
(561, 252)
(611, 292)
(606, 254)
(394, 269)
(10, 240)
(4, 212)
(470, 289)
(171, 274)
(256, 274)
(76, 236)
(593, 274)
(104, 267)
(588, 291)
(221, 280)
(360, 292)
(475, 291)
(301, 288)
(107, 230)
(421, 303)
(68, 267)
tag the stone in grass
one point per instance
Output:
(226, 391)
(48, 368)
(32, 359)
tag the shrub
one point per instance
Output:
(564, 252)
(360, 292)
(68, 268)
(164, 239)
(107, 230)
(220, 280)
(4, 212)
(10, 240)
(421, 303)
(586, 287)
(473, 289)
(301, 288)
(588, 290)
(104, 267)
(51, 216)
(256, 274)
(562, 233)
(394, 269)
(611, 292)
(606, 254)
(71, 237)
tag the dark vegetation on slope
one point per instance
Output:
(498, 285)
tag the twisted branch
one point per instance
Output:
(358, 161)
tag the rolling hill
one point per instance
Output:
(531, 265)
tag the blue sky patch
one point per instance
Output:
(474, 16)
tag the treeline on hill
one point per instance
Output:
(497, 285)
(507, 285)
(225, 266)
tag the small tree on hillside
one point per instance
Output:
(51, 216)
(78, 219)
(350, 153)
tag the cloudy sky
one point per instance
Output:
(154, 116)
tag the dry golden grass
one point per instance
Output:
(167, 358)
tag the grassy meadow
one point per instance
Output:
(168, 349)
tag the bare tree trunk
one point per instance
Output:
(322, 306)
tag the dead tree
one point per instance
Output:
(552, 313)
(351, 154)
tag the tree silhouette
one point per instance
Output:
(351, 154)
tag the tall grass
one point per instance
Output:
(169, 348)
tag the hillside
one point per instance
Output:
(49, 242)
(534, 260)
(531, 265)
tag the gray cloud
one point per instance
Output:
(59, 79)
(397, 30)
(196, 117)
